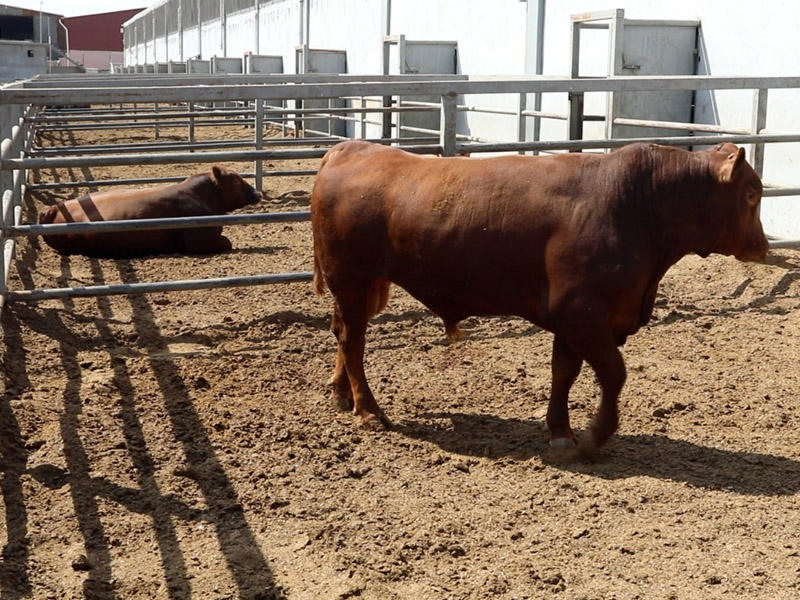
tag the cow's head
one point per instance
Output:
(234, 191)
(739, 192)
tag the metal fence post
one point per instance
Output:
(759, 123)
(362, 118)
(5, 197)
(521, 118)
(259, 142)
(447, 129)
(575, 117)
(191, 123)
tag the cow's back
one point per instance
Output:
(465, 236)
(174, 200)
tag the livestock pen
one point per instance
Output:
(177, 443)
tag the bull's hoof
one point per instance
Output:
(587, 447)
(563, 443)
(376, 422)
(341, 402)
(563, 449)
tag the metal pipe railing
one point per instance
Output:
(448, 141)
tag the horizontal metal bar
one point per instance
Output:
(780, 191)
(682, 126)
(97, 183)
(156, 159)
(146, 124)
(155, 80)
(142, 224)
(619, 142)
(50, 118)
(159, 286)
(441, 86)
(178, 157)
(140, 148)
(776, 243)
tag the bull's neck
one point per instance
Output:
(684, 188)
(203, 186)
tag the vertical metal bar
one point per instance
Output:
(386, 117)
(575, 52)
(257, 10)
(155, 120)
(6, 195)
(6, 248)
(363, 118)
(760, 98)
(401, 69)
(447, 129)
(521, 119)
(615, 41)
(259, 142)
(575, 121)
(6, 124)
(575, 114)
(191, 123)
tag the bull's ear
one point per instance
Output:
(218, 173)
(732, 163)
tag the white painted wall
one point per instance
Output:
(753, 38)
(240, 33)
(279, 30)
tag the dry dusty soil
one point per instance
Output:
(179, 445)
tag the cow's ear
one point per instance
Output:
(217, 173)
(732, 163)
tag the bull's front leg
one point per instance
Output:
(565, 365)
(606, 360)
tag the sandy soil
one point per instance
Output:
(181, 445)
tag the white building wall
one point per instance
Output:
(191, 44)
(211, 33)
(279, 31)
(494, 40)
(748, 39)
(240, 34)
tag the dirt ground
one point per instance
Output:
(179, 445)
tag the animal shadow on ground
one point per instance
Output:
(247, 565)
(625, 456)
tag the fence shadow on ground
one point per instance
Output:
(626, 456)
(223, 514)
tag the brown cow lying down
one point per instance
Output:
(214, 193)
(574, 243)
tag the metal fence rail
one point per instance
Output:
(262, 98)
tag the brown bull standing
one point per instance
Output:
(574, 243)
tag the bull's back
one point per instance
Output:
(464, 236)
(115, 206)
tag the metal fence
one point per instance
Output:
(256, 99)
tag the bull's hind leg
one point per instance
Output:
(354, 313)
(342, 393)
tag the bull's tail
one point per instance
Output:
(378, 297)
(318, 280)
(378, 292)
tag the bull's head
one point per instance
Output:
(234, 191)
(739, 189)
